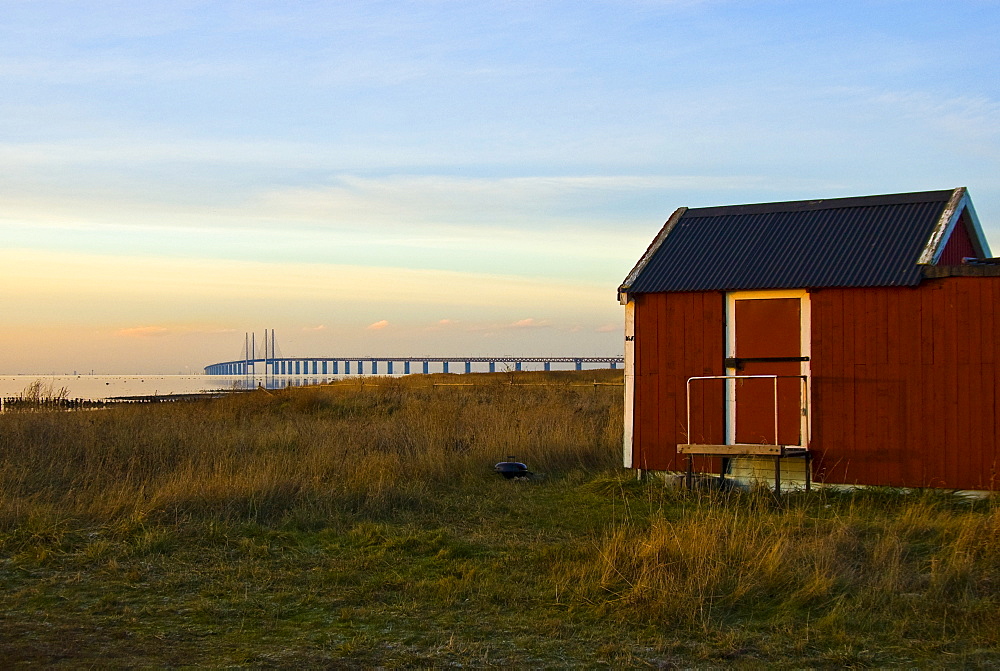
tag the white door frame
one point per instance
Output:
(805, 347)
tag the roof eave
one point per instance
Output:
(650, 252)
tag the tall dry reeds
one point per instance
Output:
(401, 471)
(903, 565)
(363, 445)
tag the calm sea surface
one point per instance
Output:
(109, 386)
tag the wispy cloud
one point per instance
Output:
(40, 275)
(379, 325)
(143, 332)
(313, 329)
(525, 324)
(399, 201)
(970, 119)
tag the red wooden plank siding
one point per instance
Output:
(818, 349)
(990, 297)
(826, 329)
(835, 376)
(911, 373)
(920, 409)
(832, 374)
(894, 391)
(713, 310)
(648, 410)
(639, 378)
(947, 425)
(864, 393)
(646, 401)
(904, 382)
(959, 245)
(968, 317)
(677, 337)
(935, 381)
(662, 397)
(694, 341)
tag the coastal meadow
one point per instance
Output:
(361, 524)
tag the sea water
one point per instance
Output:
(99, 387)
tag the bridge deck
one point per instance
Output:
(260, 364)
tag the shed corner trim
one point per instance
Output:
(951, 215)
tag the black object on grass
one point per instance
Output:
(511, 469)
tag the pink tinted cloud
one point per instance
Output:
(527, 323)
(530, 322)
(609, 328)
(142, 332)
(378, 326)
(321, 327)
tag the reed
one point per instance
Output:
(365, 445)
(360, 524)
(909, 565)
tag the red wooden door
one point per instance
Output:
(767, 341)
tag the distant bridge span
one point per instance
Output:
(303, 366)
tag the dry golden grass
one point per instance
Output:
(360, 524)
(365, 444)
(884, 560)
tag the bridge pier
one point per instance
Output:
(314, 368)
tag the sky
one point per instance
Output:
(436, 177)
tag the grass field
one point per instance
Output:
(359, 525)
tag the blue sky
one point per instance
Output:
(436, 177)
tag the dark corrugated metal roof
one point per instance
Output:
(844, 242)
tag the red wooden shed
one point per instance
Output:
(861, 333)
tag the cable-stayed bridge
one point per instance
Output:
(311, 366)
(273, 364)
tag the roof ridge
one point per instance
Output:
(941, 196)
